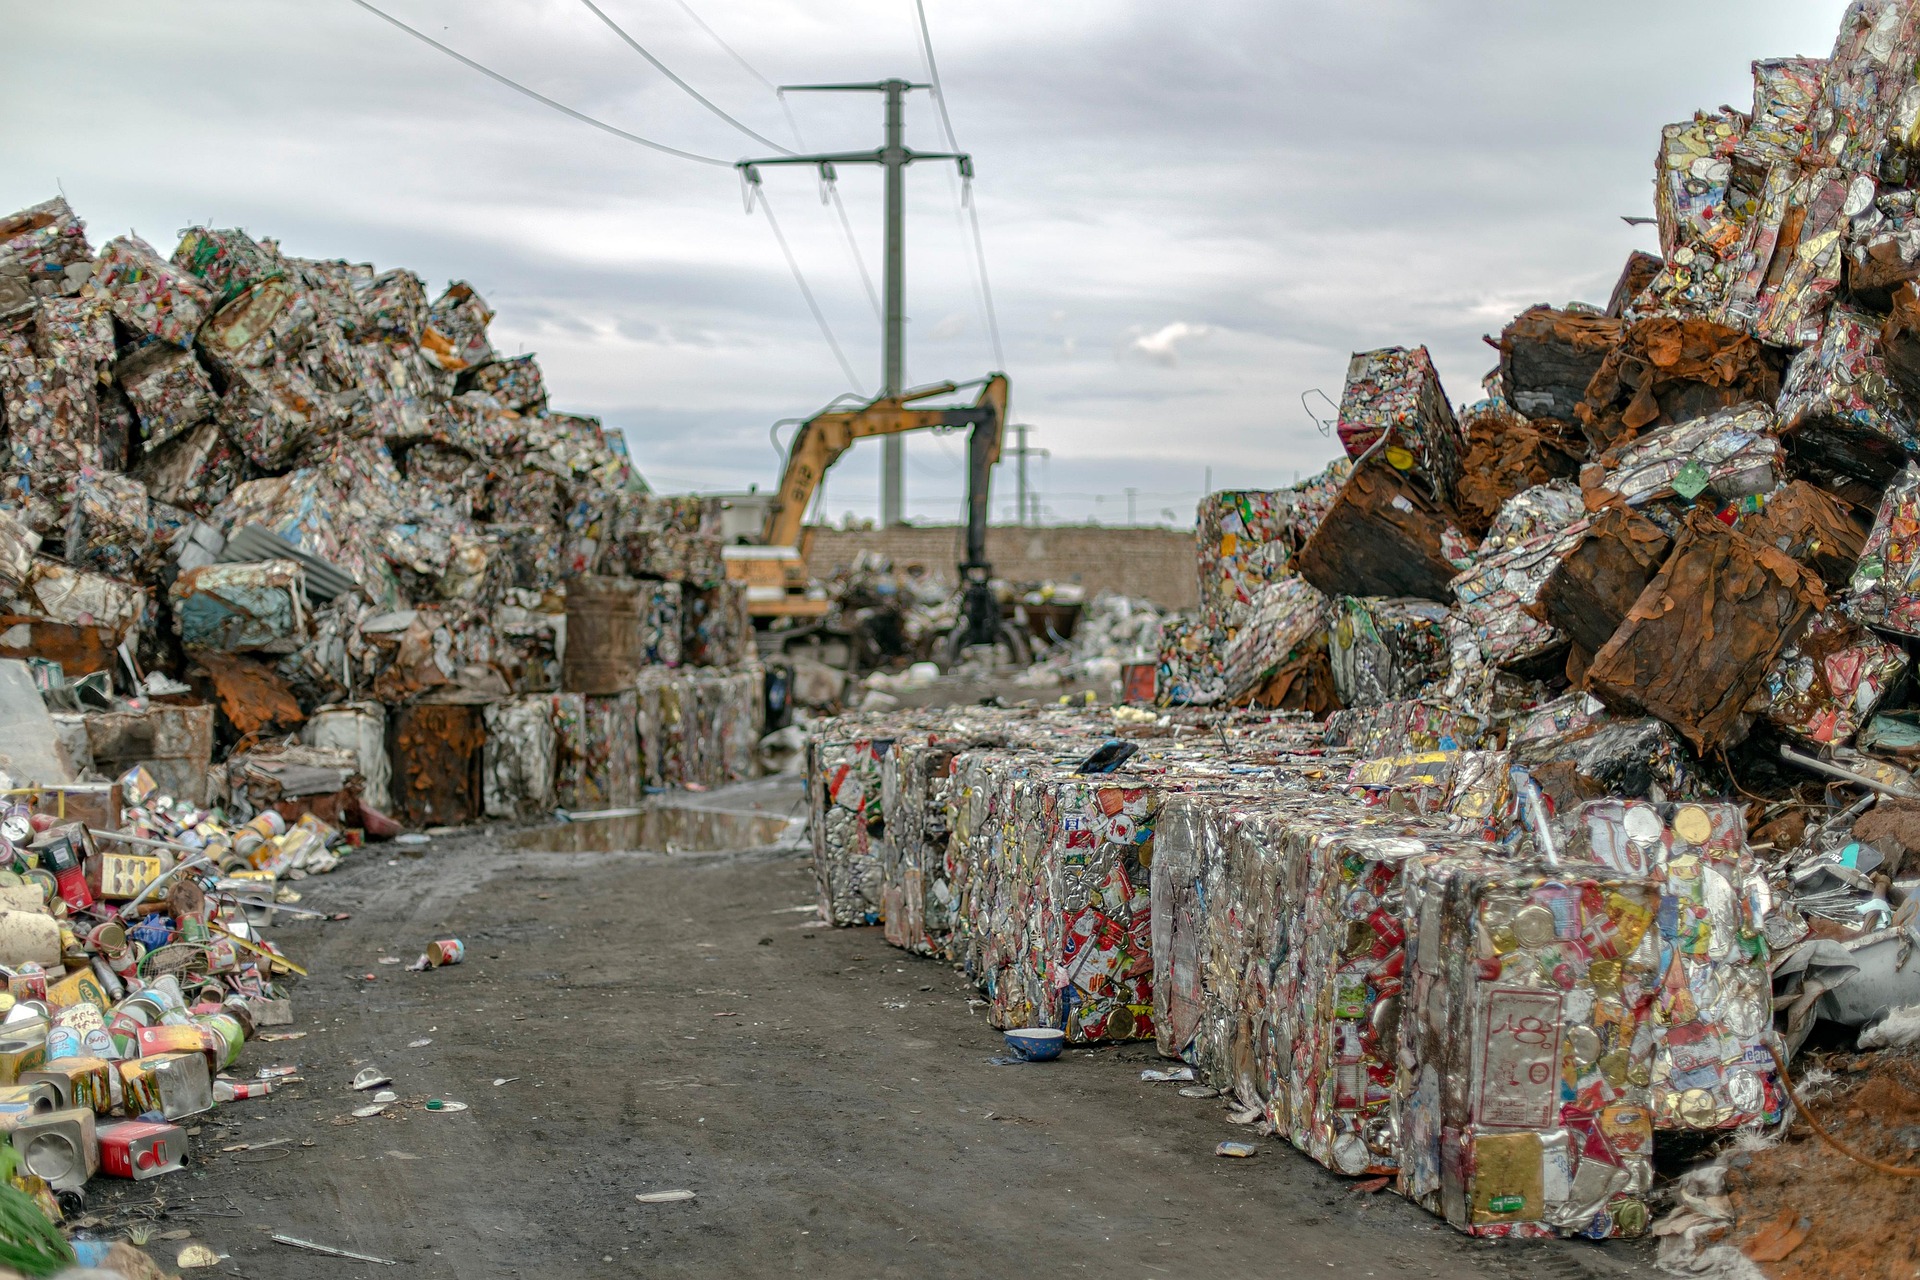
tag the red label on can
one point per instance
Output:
(141, 1148)
(73, 888)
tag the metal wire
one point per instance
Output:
(758, 192)
(663, 69)
(965, 195)
(539, 97)
(832, 191)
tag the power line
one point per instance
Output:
(793, 264)
(853, 246)
(733, 53)
(662, 68)
(751, 70)
(980, 257)
(933, 73)
(541, 98)
(966, 190)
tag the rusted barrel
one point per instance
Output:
(603, 635)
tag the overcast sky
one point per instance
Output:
(1192, 212)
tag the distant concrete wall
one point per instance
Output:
(1156, 564)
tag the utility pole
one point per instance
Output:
(893, 156)
(1022, 452)
(1130, 492)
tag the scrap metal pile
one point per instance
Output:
(245, 494)
(291, 557)
(1518, 769)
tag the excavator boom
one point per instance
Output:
(823, 438)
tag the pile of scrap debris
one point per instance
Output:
(246, 495)
(1536, 781)
(290, 558)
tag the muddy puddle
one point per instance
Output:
(662, 830)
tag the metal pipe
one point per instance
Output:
(122, 837)
(1845, 775)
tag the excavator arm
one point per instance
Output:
(823, 438)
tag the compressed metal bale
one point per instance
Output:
(1698, 642)
(1413, 724)
(1885, 588)
(1395, 393)
(361, 728)
(1548, 356)
(438, 759)
(846, 822)
(1381, 650)
(1594, 585)
(1839, 411)
(1383, 536)
(1285, 620)
(610, 743)
(1713, 1001)
(1668, 370)
(1525, 1049)
(1827, 683)
(519, 757)
(1599, 755)
(239, 607)
(170, 392)
(149, 294)
(1819, 530)
(1498, 593)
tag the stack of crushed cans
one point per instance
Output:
(1516, 770)
(255, 507)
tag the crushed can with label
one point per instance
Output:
(173, 1084)
(141, 1149)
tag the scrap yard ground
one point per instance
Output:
(669, 1021)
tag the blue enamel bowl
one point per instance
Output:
(1036, 1044)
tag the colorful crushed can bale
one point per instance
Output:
(1283, 627)
(847, 825)
(1526, 1053)
(1838, 407)
(170, 392)
(1826, 684)
(1395, 392)
(1712, 1009)
(1496, 595)
(149, 294)
(1885, 589)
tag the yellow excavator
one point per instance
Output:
(775, 572)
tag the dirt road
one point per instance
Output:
(671, 1021)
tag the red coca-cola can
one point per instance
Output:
(141, 1149)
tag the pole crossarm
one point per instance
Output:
(880, 156)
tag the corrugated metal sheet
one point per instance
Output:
(253, 543)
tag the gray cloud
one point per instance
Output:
(1298, 179)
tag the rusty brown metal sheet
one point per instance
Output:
(253, 695)
(79, 650)
(1590, 593)
(173, 743)
(1384, 536)
(1697, 644)
(437, 764)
